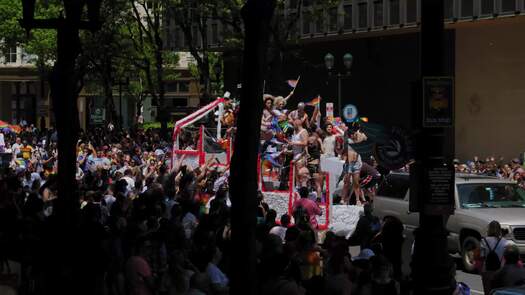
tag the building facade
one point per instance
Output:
(23, 95)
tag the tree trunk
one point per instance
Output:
(162, 114)
(109, 103)
(257, 15)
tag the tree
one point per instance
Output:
(104, 53)
(192, 18)
(257, 15)
(146, 33)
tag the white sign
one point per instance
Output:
(330, 110)
(350, 113)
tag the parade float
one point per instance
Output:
(196, 141)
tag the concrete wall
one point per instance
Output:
(490, 89)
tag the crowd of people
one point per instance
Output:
(490, 166)
(149, 226)
(146, 228)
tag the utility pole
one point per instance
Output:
(257, 15)
(432, 175)
(65, 83)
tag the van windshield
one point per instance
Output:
(491, 195)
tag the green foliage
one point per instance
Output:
(41, 44)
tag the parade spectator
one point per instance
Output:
(491, 253)
(309, 207)
(2, 142)
(367, 227)
(512, 273)
(280, 230)
(16, 147)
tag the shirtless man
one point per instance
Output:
(299, 114)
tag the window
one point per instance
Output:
(184, 86)
(348, 17)
(179, 102)
(394, 186)
(394, 12)
(378, 13)
(508, 6)
(491, 195)
(26, 58)
(171, 87)
(332, 16)
(411, 11)
(449, 9)
(306, 23)
(487, 7)
(319, 22)
(214, 34)
(10, 55)
(467, 8)
(363, 15)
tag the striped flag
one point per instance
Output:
(314, 102)
(293, 83)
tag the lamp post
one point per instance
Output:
(329, 61)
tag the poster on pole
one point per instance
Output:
(438, 102)
(330, 111)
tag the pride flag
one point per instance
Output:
(314, 102)
(293, 83)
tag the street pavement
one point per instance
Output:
(471, 280)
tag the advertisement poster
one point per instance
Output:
(330, 111)
(438, 102)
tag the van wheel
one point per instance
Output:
(469, 248)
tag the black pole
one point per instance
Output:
(433, 269)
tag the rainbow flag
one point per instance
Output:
(15, 128)
(3, 124)
(293, 83)
(314, 102)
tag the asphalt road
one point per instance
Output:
(471, 280)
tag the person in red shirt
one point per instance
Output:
(310, 207)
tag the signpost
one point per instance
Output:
(350, 113)
(438, 102)
(98, 116)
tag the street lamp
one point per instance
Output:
(329, 61)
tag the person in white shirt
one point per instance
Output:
(128, 177)
(280, 230)
(329, 141)
(2, 142)
(17, 146)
